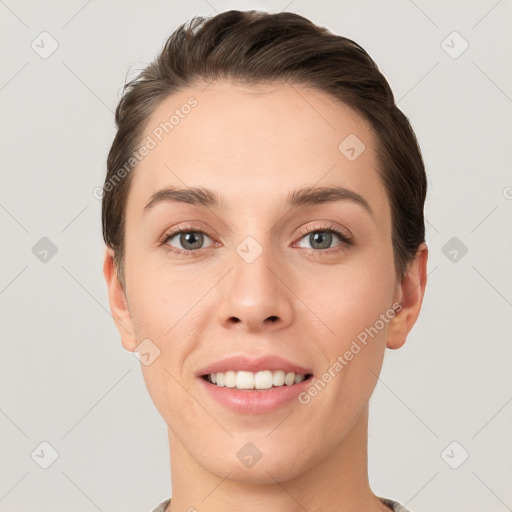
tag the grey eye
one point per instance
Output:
(320, 239)
(189, 240)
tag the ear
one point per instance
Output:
(118, 303)
(410, 295)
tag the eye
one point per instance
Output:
(189, 240)
(322, 237)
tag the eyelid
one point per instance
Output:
(345, 238)
(172, 232)
(344, 234)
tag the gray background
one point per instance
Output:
(65, 378)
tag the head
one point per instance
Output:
(255, 133)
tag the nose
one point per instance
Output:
(254, 295)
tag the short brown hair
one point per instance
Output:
(254, 47)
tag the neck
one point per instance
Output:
(338, 483)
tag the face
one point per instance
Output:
(257, 274)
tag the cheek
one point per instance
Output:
(166, 309)
(352, 306)
(349, 299)
(163, 298)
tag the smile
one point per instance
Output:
(260, 381)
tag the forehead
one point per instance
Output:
(253, 144)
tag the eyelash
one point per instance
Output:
(345, 239)
(184, 229)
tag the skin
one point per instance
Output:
(254, 145)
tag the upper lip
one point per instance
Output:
(254, 364)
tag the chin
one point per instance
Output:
(267, 470)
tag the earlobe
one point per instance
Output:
(118, 302)
(411, 293)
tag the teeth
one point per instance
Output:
(259, 380)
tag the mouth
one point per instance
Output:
(255, 381)
(254, 385)
(255, 393)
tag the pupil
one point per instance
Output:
(188, 238)
(318, 237)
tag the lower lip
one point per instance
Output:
(251, 401)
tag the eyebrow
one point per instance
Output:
(308, 196)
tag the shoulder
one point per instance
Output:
(162, 506)
(394, 505)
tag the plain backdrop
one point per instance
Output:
(441, 414)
